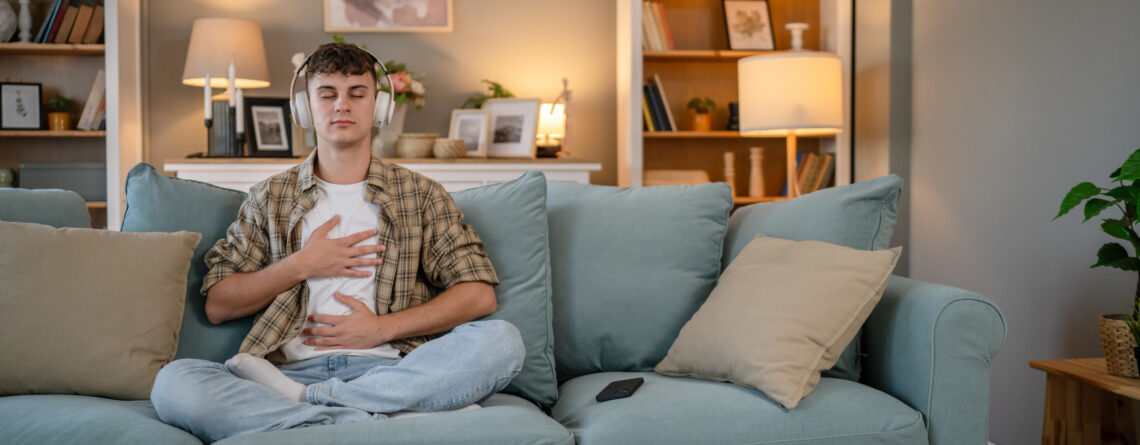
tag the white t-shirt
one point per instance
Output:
(357, 214)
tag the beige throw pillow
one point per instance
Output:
(88, 311)
(781, 313)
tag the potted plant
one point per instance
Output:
(702, 120)
(1120, 333)
(59, 113)
(495, 88)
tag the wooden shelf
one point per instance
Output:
(96, 205)
(741, 200)
(52, 49)
(703, 54)
(52, 134)
(715, 134)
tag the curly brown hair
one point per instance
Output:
(343, 58)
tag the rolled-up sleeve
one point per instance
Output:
(452, 251)
(245, 247)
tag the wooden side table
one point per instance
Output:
(1086, 405)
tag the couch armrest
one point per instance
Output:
(931, 346)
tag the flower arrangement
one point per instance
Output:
(407, 87)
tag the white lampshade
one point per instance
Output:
(798, 93)
(552, 121)
(214, 42)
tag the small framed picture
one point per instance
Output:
(473, 126)
(514, 124)
(749, 25)
(388, 15)
(268, 128)
(20, 106)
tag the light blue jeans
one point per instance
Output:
(465, 366)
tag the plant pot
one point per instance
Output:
(702, 122)
(59, 121)
(1120, 348)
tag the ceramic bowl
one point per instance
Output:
(449, 148)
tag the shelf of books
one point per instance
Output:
(684, 55)
(63, 65)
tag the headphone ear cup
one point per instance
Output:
(382, 115)
(301, 111)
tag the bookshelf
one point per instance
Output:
(70, 69)
(703, 66)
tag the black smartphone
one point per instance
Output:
(619, 389)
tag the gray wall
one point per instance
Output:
(528, 45)
(1014, 102)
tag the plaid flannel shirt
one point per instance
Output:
(429, 247)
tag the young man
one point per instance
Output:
(342, 258)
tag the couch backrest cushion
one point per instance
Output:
(157, 203)
(510, 218)
(56, 208)
(859, 216)
(630, 266)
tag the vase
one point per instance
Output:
(702, 122)
(384, 144)
(59, 121)
(1119, 346)
(8, 22)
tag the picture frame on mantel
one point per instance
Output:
(514, 124)
(268, 127)
(344, 16)
(748, 24)
(20, 105)
(474, 127)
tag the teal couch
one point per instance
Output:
(617, 272)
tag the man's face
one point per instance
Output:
(342, 107)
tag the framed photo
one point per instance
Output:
(20, 106)
(388, 15)
(474, 127)
(268, 128)
(749, 25)
(514, 124)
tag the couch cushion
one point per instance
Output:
(670, 410)
(60, 419)
(781, 313)
(510, 218)
(89, 311)
(859, 216)
(504, 419)
(157, 203)
(56, 208)
(630, 266)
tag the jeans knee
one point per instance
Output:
(504, 340)
(171, 380)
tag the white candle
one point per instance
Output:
(240, 118)
(206, 99)
(230, 85)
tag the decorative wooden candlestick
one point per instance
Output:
(730, 172)
(756, 175)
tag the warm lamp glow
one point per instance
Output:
(551, 123)
(790, 93)
(215, 42)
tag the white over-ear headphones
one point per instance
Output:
(299, 100)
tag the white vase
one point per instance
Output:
(8, 22)
(384, 144)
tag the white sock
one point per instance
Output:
(261, 371)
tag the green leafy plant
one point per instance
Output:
(701, 106)
(59, 104)
(1124, 196)
(495, 89)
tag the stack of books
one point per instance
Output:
(655, 32)
(92, 118)
(655, 107)
(814, 172)
(72, 21)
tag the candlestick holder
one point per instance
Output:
(222, 140)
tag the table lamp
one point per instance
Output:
(790, 94)
(226, 53)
